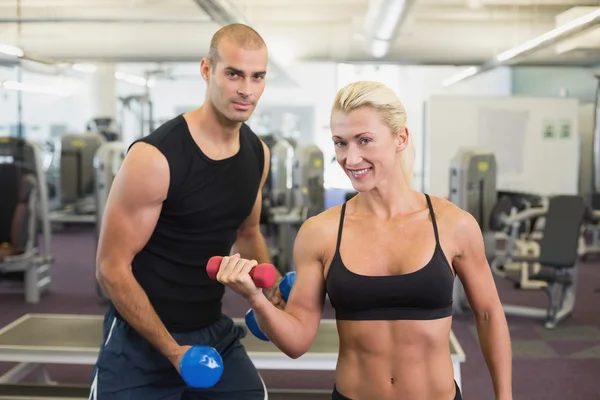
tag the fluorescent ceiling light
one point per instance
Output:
(11, 50)
(28, 87)
(387, 27)
(562, 32)
(83, 67)
(133, 79)
(460, 76)
(379, 48)
(382, 21)
(533, 43)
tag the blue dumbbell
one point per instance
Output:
(201, 367)
(285, 287)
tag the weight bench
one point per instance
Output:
(23, 267)
(558, 256)
(560, 248)
(37, 339)
(80, 392)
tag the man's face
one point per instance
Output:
(237, 81)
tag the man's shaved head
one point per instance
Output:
(239, 34)
(235, 71)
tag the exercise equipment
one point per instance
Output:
(285, 287)
(201, 367)
(502, 209)
(81, 392)
(473, 183)
(558, 257)
(308, 180)
(282, 161)
(76, 197)
(473, 189)
(595, 189)
(106, 126)
(263, 275)
(297, 192)
(76, 339)
(25, 266)
(521, 240)
(141, 108)
(591, 187)
(557, 254)
(107, 162)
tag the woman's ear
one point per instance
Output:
(402, 139)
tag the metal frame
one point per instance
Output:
(567, 303)
(31, 356)
(36, 263)
(565, 300)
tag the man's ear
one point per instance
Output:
(205, 69)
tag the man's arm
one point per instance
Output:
(250, 242)
(476, 276)
(132, 210)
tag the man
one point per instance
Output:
(188, 191)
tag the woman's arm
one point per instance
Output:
(476, 276)
(293, 330)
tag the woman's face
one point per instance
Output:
(364, 147)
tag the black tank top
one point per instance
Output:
(207, 201)
(420, 295)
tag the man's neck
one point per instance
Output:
(212, 126)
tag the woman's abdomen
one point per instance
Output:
(395, 360)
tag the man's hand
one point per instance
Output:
(175, 359)
(274, 295)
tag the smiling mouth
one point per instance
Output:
(357, 173)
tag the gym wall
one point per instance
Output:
(317, 85)
(555, 82)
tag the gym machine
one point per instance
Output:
(473, 189)
(521, 239)
(143, 113)
(107, 161)
(25, 267)
(106, 126)
(296, 193)
(76, 196)
(592, 192)
(558, 252)
(307, 199)
(477, 194)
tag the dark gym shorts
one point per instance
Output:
(338, 396)
(129, 367)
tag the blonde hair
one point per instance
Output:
(383, 99)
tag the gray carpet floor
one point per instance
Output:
(559, 364)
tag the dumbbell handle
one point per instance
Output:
(263, 275)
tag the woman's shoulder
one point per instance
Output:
(318, 232)
(325, 220)
(451, 216)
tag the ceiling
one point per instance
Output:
(456, 32)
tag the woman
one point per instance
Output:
(387, 258)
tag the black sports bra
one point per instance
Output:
(421, 295)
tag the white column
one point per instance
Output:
(103, 92)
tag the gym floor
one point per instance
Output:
(560, 364)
